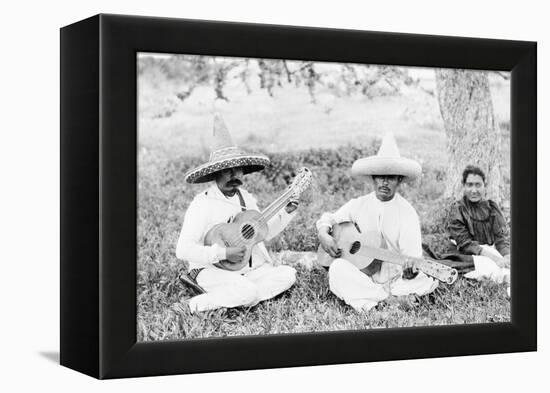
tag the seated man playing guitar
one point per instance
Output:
(222, 232)
(385, 220)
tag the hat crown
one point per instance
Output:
(225, 154)
(387, 161)
(388, 148)
(221, 137)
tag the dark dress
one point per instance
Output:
(470, 225)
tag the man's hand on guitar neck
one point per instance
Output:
(292, 205)
(409, 270)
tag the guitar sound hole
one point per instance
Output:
(355, 247)
(247, 231)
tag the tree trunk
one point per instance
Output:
(472, 137)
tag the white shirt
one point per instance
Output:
(394, 224)
(212, 207)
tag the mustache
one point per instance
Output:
(234, 182)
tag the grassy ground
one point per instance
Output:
(327, 138)
(309, 306)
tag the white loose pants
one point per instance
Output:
(487, 269)
(231, 289)
(358, 290)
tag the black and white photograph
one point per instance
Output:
(278, 196)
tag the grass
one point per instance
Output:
(294, 133)
(309, 306)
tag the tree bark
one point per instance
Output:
(472, 136)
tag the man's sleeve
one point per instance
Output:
(344, 214)
(190, 247)
(278, 223)
(410, 237)
(502, 235)
(458, 231)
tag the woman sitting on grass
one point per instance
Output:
(479, 230)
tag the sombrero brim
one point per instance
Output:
(377, 165)
(206, 172)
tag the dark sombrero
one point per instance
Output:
(225, 154)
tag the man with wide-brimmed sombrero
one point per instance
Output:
(210, 265)
(390, 222)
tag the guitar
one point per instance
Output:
(358, 248)
(250, 226)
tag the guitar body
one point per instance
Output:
(247, 229)
(350, 240)
(250, 226)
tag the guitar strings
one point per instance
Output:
(276, 205)
(267, 214)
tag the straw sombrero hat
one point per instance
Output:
(225, 154)
(388, 161)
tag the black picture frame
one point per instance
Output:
(98, 195)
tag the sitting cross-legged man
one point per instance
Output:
(390, 221)
(219, 269)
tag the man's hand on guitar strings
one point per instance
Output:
(330, 246)
(235, 254)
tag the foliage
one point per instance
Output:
(192, 71)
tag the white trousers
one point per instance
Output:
(487, 269)
(358, 290)
(231, 289)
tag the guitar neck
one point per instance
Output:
(300, 182)
(386, 255)
(276, 205)
(431, 268)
